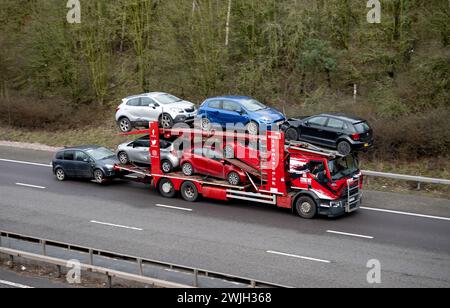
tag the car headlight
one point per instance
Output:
(177, 110)
(111, 167)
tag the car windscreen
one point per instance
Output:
(361, 127)
(343, 167)
(253, 105)
(167, 99)
(100, 153)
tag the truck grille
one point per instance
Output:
(352, 194)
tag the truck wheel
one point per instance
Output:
(189, 192)
(291, 134)
(166, 166)
(344, 148)
(306, 207)
(60, 174)
(187, 169)
(233, 178)
(166, 188)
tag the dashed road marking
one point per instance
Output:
(298, 257)
(174, 207)
(30, 186)
(116, 226)
(350, 234)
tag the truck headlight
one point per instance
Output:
(336, 203)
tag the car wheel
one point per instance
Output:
(206, 124)
(344, 148)
(291, 134)
(166, 166)
(228, 152)
(166, 121)
(60, 174)
(166, 188)
(306, 207)
(189, 192)
(187, 169)
(99, 176)
(253, 128)
(125, 125)
(123, 158)
(233, 178)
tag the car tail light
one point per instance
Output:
(117, 109)
(356, 137)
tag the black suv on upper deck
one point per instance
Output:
(338, 131)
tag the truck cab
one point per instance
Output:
(331, 180)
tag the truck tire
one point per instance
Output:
(306, 207)
(189, 191)
(166, 188)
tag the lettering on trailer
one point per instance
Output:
(275, 148)
(154, 148)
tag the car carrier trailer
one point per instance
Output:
(284, 179)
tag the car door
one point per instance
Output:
(214, 164)
(83, 165)
(69, 164)
(313, 129)
(135, 110)
(232, 113)
(199, 161)
(143, 151)
(150, 109)
(333, 130)
(139, 151)
(213, 111)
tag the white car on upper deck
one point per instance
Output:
(139, 110)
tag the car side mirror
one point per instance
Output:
(152, 105)
(307, 124)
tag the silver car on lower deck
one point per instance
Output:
(138, 152)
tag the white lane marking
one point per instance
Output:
(25, 163)
(174, 207)
(405, 213)
(350, 234)
(15, 285)
(31, 186)
(114, 225)
(298, 257)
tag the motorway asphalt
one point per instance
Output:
(238, 238)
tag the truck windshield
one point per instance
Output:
(343, 167)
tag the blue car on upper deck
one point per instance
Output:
(239, 110)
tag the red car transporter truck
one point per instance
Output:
(308, 180)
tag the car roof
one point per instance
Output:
(345, 117)
(235, 98)
(150, 94)
(81, 148)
